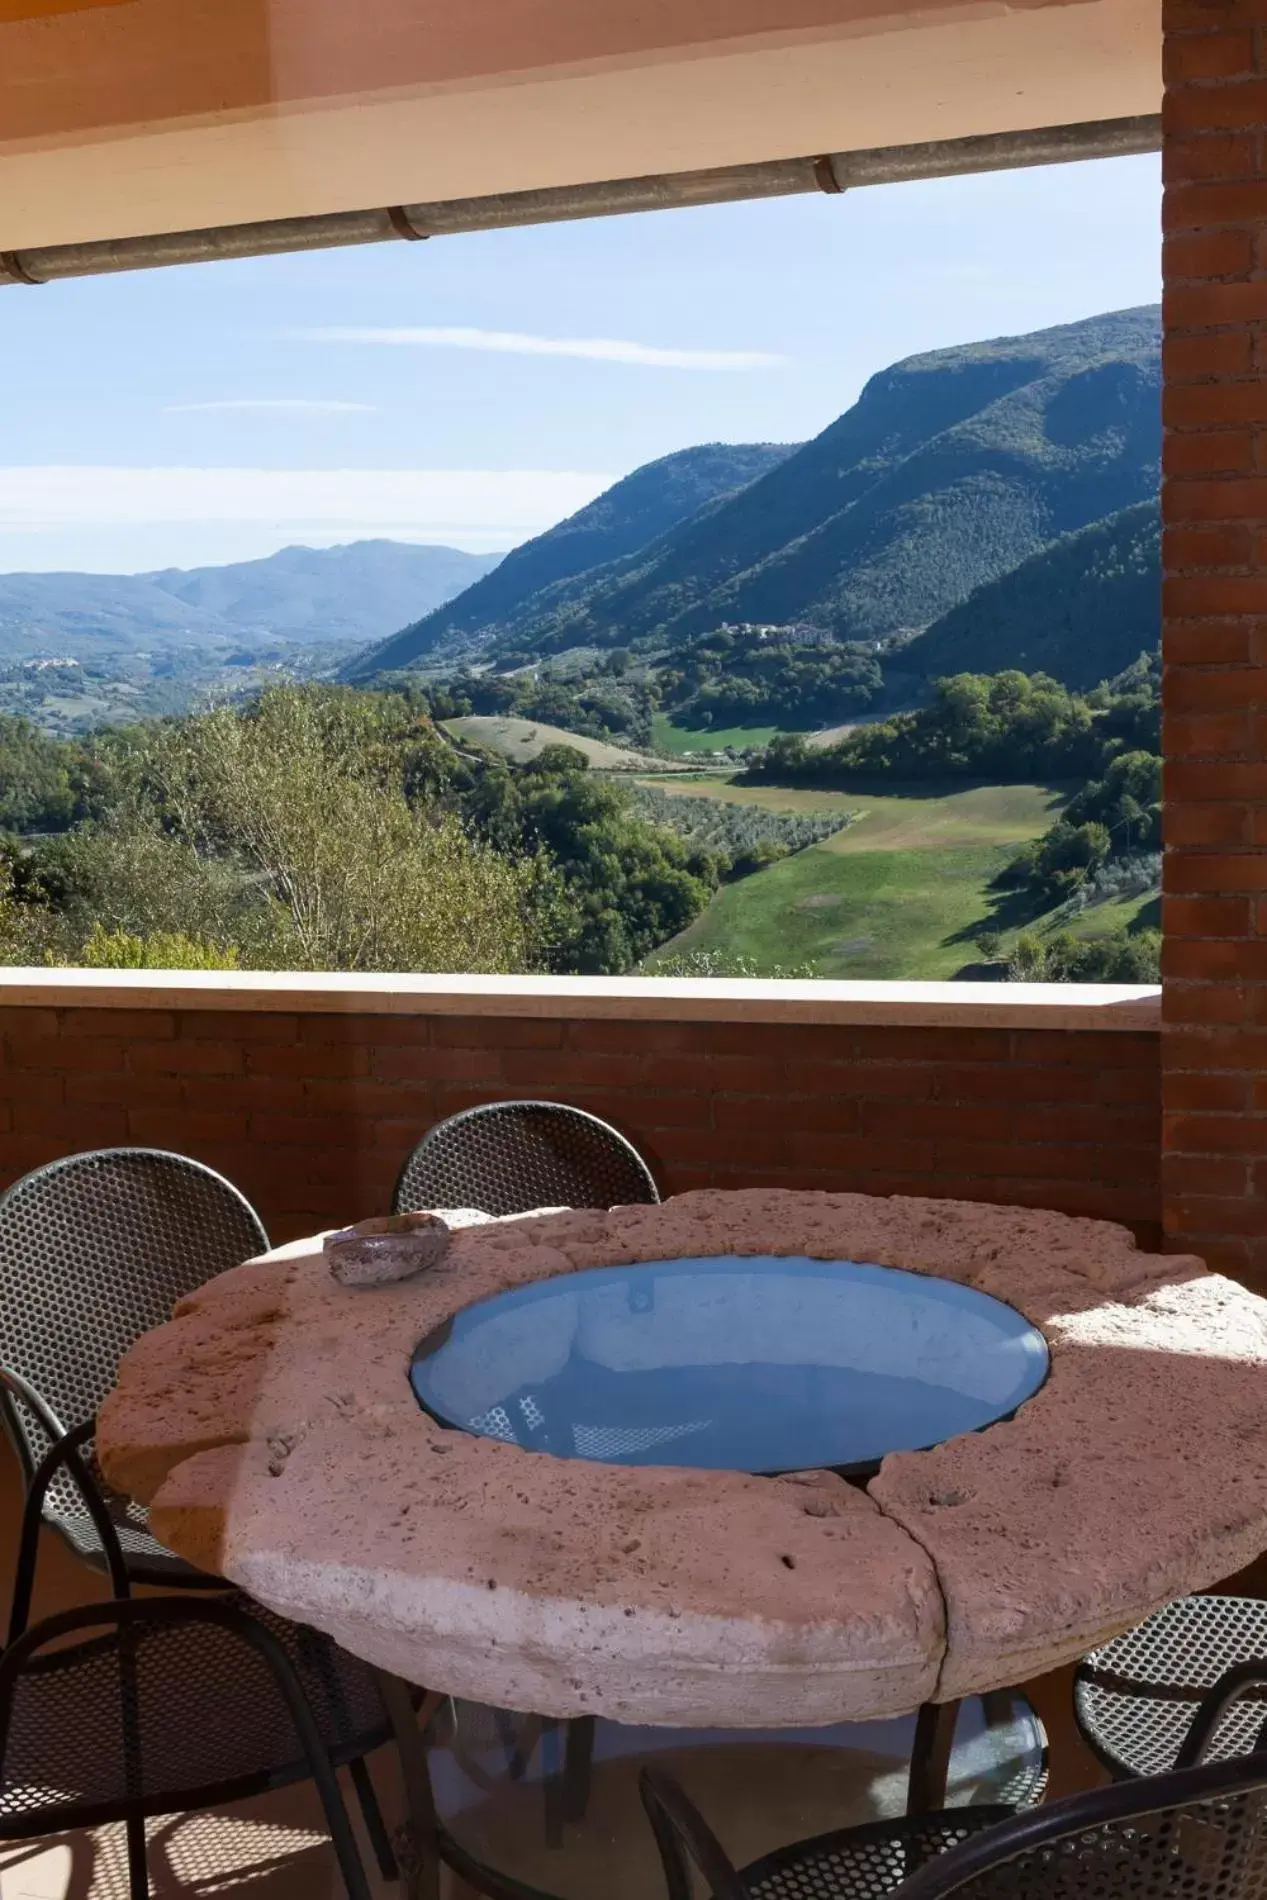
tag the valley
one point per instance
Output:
(904, 890)
(881, 704)
(901, 892)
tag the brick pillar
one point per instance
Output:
(1214, 497)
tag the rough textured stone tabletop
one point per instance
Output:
(271, 1428)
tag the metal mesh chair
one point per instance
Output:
(1134, 1697)
(251, 1749)
(509, 1157)
(170, 1704)
(1199, 1833)
(95, 1250)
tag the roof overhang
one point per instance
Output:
(125, 117)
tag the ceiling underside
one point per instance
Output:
(259, 109)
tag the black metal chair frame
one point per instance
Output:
(125, 1616)
(65, 1453)
(640, 1177)
(166, 1571)
(997, 1837)
(126, 1612)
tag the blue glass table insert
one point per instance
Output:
(733, 1363)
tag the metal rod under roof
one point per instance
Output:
(776, 178)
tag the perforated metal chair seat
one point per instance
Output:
(1135, 1697)
(147, 1560)
(510, 1157)
(207, 1719)
(1028, 1786)
(1199, 1833)
(863, 1863)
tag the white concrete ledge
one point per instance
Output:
(1083, 1006)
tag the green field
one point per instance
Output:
(977, 815)
(1121, 913)
(901, 893)
(957, 820)
(679, 741)
(522, 739)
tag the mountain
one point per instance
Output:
(950, 470)
(328, 593)
(1082, 610)
(635, 511)
(300, 594)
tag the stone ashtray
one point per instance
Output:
(381, 1251)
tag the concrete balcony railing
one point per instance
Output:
(308, 1091)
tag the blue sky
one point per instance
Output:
(472, 390)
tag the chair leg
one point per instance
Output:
(997, 1705)
(930, 1757)
(342, 1838)
(138, 1866)
(578, 1766)
(372, 1815)
(553, 1782)
(417, 1840)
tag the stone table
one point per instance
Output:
(271, 1429)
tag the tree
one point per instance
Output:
(1116, 817)
(1005, 728)
(1067, 855)
(1121, 957)
(284, 834)
(323, 828)
(628, 884)
(313, 801)
(44, 783)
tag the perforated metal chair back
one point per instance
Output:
(1200, 1834)
(94, 1251)
(97, 1249)
(509, 1157)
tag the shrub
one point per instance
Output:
(1123, 957)
(721, 963)
(163, 950)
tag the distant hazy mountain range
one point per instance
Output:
(951, 471)
(356, 592)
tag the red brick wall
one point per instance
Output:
(312, 1115)
(1214, 1168)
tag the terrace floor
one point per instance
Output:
(274, 1848)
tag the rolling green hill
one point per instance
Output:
(1082, 610)
(625, 518)
(900, 893)
(950, 470)
(520, 740)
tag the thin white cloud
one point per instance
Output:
(594, 349)
(296, 405)
(480, 509)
